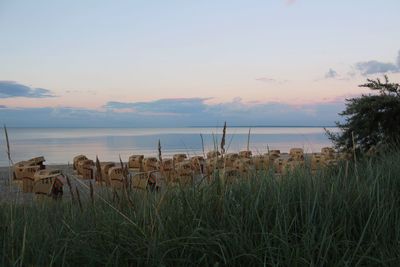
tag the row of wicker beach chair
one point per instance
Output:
(145, 173)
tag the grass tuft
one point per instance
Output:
(328, 218)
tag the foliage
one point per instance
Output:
(333, 218)
(372, 119)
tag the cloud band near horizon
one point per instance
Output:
(176, 113)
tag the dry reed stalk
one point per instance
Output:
(223, 140)
(9, 156)
(202, 145)
(354, 146)
(99, 175)
(130, 202)
(111, 206)
(79, 198)
(160, 158)
(91, 192)
(128, 181)
(159, 151)
(248, 140)
(215, 142)
(116, 196)
(159, 203)
(158, 217)
(124, 172)
(70, 187)
(23, 247)
(354, 154)
(120, 161)
(7, 143)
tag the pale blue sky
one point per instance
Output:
(297, 54)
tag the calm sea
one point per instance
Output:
(60, 145)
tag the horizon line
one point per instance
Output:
(206, 126)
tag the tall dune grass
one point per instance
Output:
(328, 218)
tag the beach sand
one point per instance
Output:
(14, 192)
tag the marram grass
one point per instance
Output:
(296, 220)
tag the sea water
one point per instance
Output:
(60, 145)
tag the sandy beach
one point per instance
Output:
(14, 193)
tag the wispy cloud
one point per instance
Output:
(331, 74)
(10, 89)
(266, 80)
(365, 68)
(269, 80)
(378, 67)
(171, 105)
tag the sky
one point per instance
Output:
(173, 63)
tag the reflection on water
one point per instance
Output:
(60, 145)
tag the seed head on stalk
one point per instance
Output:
(223, 140)
(159, 151)
(98, 171)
